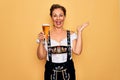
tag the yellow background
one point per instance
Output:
(20, 23)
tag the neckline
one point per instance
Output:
(60, 40)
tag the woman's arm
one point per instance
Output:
(77, 43)
(41, 51)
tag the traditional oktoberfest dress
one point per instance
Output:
(59, 64)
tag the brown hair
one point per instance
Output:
(55, 6)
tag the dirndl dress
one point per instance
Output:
(59, 71)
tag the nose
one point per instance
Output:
(58, 17)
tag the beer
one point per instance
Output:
(46, 28)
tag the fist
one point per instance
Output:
(41, 36)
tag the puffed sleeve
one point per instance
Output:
(46, 45)
(73, 37)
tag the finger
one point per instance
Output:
(41, 38)
(83, 26)
(41, 33)
(86, 24)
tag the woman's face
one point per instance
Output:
(58, 18)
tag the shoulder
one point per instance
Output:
(72, 32)
(73, 35)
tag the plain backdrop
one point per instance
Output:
(20, 24)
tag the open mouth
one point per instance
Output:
(58, 22)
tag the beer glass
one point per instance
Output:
(46, 28)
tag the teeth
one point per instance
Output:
(58, 23)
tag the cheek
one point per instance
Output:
(53, 19)
(62, 18)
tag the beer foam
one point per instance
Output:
(45, 24)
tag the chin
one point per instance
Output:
(58, 26)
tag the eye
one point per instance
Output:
(61, 15)
(54, 15)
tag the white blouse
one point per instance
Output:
(60, 58)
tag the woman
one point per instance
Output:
(59, 46)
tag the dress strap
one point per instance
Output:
(49, 44)
(69, 46)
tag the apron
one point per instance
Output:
(59, 71)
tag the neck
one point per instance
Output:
(58, 29)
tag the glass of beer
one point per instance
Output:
(46, 28)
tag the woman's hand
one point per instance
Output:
(80, 28)
(41, 52)
(41, 36)
(77, 44)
